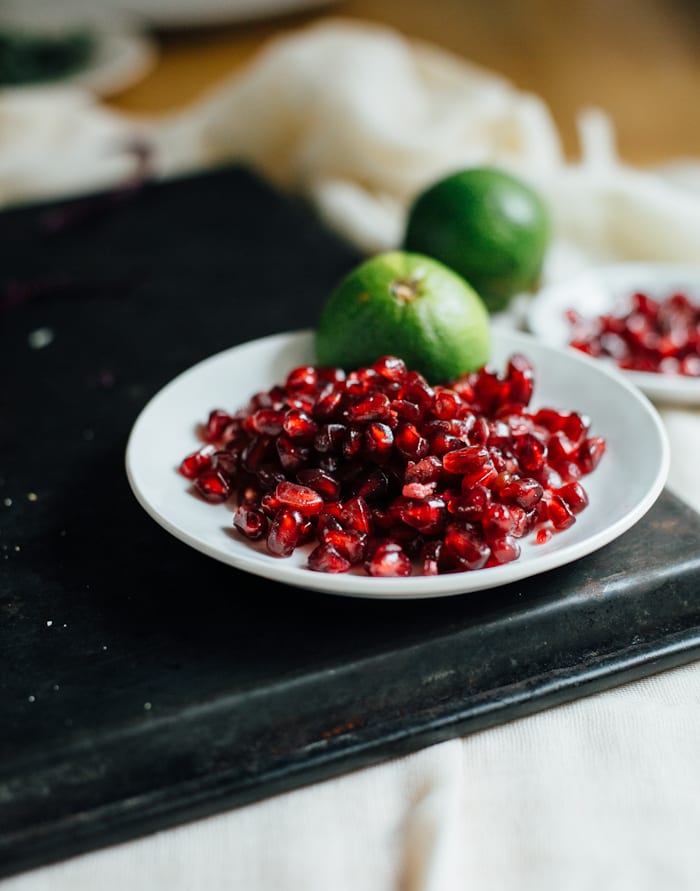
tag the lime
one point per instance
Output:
(487, 225)
(407, 305)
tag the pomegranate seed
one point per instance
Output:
(472, 504)
(356, 515)
(560, 447)
(549, 419)
(531, 453)
(574, 495)
(268, 476)
(213, 486)
(470, 549)
(418, 490)
(374, 407)
(216, 424)
(329, 438)
(379, 442)
(324, 483)
(490, 391)
(430, 557)
(543, 535)
(410, 442)
(333, 509)
(568, 470)
(330, 375)
(575, 427)
(446, 404)
(353, 443)
(497, 521)
(482, 476)
(292, 455)
(406, 411)
(466, 460)
(352, 545)
(427, 470)
(505, 549)
(285, 532)
(590, 453)
(328, 405)
(270, 504)
(479, 432)
(518, 425)
(268, 421)
(521, 375)
(442, 443)
(522, 520)
(427, 515)
(548, 478)
(303, 379)
(372, 485)
(250, 521)
(197, 462)
(301, 498)
(559, 512)
(299, 426)
(255, 453)
(391, 368)
(416, 389)
(524, 492)
(389, 559)
(324, 558)
(225, 462)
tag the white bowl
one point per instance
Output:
(622, 488)
(599, 290)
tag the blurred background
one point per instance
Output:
(638, 60)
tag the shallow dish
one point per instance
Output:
(123, 52)
(599, 290)
(626, 483)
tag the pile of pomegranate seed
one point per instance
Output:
(661, 336)
(381, 471)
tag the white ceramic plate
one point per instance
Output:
(599, 290)
(122, 58)
(123, 52)
(621, 489)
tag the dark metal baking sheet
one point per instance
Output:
(142, 684)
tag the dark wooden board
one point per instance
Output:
(143, 684)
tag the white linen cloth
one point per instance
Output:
(601, 792)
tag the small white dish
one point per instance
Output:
(623, 487)
(123, 53)
(599, 290)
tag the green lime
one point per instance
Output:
(406, 305)
(487, 225)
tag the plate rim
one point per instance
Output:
(413, 587)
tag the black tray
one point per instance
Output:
(142, 684)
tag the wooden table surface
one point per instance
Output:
(639, 60)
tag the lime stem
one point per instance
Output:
(404, 289)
